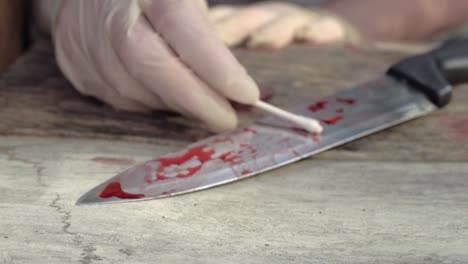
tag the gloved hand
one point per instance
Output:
(148, 54)
(274, 25)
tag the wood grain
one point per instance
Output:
(11, 31)
(36, 100)
(315, 211)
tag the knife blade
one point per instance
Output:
(410, 89)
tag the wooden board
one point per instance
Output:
(315, 211)
(36, 100)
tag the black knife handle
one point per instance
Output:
(435, 72)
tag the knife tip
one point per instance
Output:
(85, 200)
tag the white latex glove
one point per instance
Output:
(274, 25)
(148, 54)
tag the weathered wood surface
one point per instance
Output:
(36, 100)
(315, 211)
(396, 197)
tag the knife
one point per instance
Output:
(410, 89)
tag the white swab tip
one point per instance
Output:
(310, 125)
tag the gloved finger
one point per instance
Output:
(189, 34)
(78, 67)
(324, 30)
(148, 58)
(90, 64)
(110, 68)
(220, 12)
(81, 73)
(279, 33)
(237, 27)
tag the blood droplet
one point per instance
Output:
(331, 120)
(348, 101)
(114, 189)
(245, 172)
(320, 105)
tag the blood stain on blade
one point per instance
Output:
(114, 189)
(320, 105)
(232, 157)
(200, 153)
(191, 161)
(195, 158)
(349, 101)
(250, 130)
(245, 172)
(332, 120)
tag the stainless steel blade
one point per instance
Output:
(267, 144)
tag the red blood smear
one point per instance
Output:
(114, 189)
(250, 130)
(456, 127)
(202, 156)
(249, 147)
(191, 171)
(348, 101)
(232, 157)
(331, 120)
(199, 152)
(340, 110)
(320, 105)
(245, 172)
(229, 158)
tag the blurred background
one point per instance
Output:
(369, 20)
(301, 2)
(12, 28)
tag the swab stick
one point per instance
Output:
(309, 124)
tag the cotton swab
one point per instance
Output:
(309, 124)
